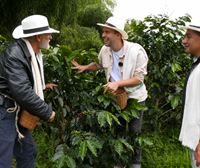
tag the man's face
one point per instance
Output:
(191, 42)
(45, 39)
(109, 36)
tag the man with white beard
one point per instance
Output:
(21, 85)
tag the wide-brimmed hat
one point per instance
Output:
(194, 25)
(115, 24)
(31, 26)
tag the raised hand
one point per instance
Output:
(77, 66)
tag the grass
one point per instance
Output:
(166, 152)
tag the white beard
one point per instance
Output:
(44, 44)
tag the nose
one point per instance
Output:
(103, 34)
(50, 37)
(184, 41)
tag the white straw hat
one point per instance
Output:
(115, 24)
(31, 26)
(193, 26)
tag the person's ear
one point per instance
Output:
(118, 34)
(38, 38)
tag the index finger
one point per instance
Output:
(74, 63)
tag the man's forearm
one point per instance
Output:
(129, 82)
(92, 66)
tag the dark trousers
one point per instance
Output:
(134, 129)
(24, 150)
(135, 126)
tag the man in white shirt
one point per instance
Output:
(190, 130)
(125, 66)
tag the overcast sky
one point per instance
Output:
(138, 9)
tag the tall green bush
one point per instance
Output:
(87, 123)
(79, 37)
(93, 14)
(168, 64)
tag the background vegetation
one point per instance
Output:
(85, 132)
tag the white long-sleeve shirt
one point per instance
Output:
(134, 64)
(190, 130)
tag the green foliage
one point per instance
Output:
(59, 12)
(46, 150)
(78, 37)
(88, 119)
(107, 117)
(86, 132)
(167, 67)
(165, 151)
(3, 43)
(119, 145)
(93, 14)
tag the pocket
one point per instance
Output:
(5, 115)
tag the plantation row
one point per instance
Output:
(85, 131)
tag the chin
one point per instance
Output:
(107, 45)
(187, 50)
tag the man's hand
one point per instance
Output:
(197, 155)
(77, 66)
(50, 86)
(111, 87)
(51, 118)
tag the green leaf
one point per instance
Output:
(116, 119)
(61, 162)
(70, 162)
(55, 50)
(106, 103)
(125, 116)
(144, 141)
(92, 147)
(100, 98)
(126, 144)
(109, 118)
(60, 100)
(101, 119)
(118, 146)
(59, 152)
(55, 58)
(176, 67)
(134, 113)
(148, 142)
(83, 149)
(175, 101)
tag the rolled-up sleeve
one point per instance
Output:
(141, 65)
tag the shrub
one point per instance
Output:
(78, 37)
(167, 67)
(87, 120)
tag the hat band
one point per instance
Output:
(195, 26)
(36, 30)
(110, 24)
